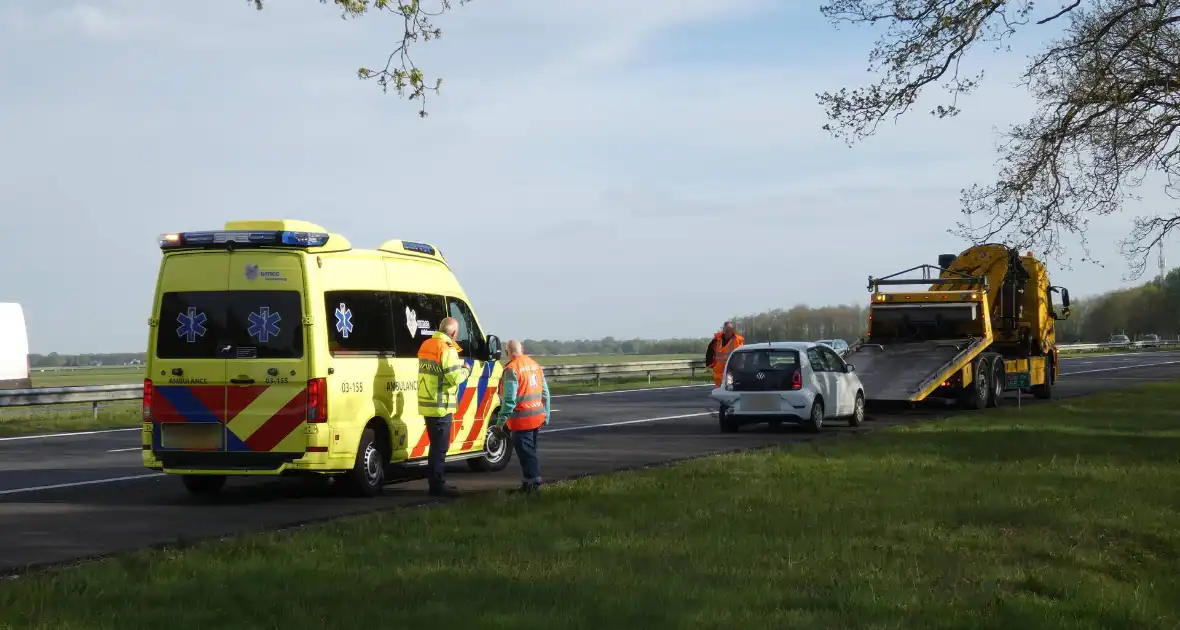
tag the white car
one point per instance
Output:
(801, 382)
(839, 345)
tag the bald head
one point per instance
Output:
(449, 326)
(727, 329)
(513, 349)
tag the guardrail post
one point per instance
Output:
(692, 375)
(94, 410)
(597, 380)
(649, 377)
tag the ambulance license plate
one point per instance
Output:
(192, 436)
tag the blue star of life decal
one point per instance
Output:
(264, 324)
(344, 320)
(192, 325)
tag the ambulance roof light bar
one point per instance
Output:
(241, 238)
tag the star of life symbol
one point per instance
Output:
(343, 320)
(264, 324)
(192, 325)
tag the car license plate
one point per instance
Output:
(760, 402)
(194, 436)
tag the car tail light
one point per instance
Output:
(148, 390)
(317, 400)
(797, 380)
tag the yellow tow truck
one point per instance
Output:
(983, 326)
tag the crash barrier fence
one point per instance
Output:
(96, 395)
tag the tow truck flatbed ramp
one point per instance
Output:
(900, 371)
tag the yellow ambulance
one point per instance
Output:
(276, 348)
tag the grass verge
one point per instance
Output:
(118, 415)
(1054, 516)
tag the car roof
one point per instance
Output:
(778, 345)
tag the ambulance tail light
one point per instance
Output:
(148, 390)
(317, 400)
(797, 380)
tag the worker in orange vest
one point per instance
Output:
(717, 354)
(524, 408)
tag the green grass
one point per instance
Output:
(1054, 516)
(122, 414)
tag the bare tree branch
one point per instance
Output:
(399, 69)
(1108, 116)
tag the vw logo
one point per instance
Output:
(760, 376)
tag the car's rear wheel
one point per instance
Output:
(726, 420)
(816, 422)
(858, 411)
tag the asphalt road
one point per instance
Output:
(72, 496)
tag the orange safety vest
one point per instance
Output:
(529, 412)
(721, 350)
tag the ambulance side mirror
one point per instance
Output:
(494, 349)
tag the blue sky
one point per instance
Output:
(662, 162)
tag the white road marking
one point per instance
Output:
(1120, 367)
(77, 484)
(124, 450)
(46, 436)
(93, 482)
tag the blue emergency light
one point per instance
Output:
(421, 248)
(240, 238)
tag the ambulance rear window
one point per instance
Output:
(230, 324)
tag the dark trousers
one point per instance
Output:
(439, 430)
(526, 450)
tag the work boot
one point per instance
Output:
(527, 488)
(444, 491)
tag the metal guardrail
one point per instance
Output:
(97, 394)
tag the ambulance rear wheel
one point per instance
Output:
(497, 451)
(203, 484)
(367, 477)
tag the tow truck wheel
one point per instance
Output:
(975, 394)
(203, 484)
(1045, 392)
(999, 376)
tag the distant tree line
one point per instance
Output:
(1152, 307)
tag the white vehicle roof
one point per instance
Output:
(778, 345)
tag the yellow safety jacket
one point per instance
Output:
(439, 374)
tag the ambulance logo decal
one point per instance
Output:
(344, 320)
(264, 324)
(412, 321)
(251, 272)
(192, 325)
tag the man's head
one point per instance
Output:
(727, 329)
(449, 327)
(513, 349)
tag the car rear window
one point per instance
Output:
(230, 324)
(763, 361)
